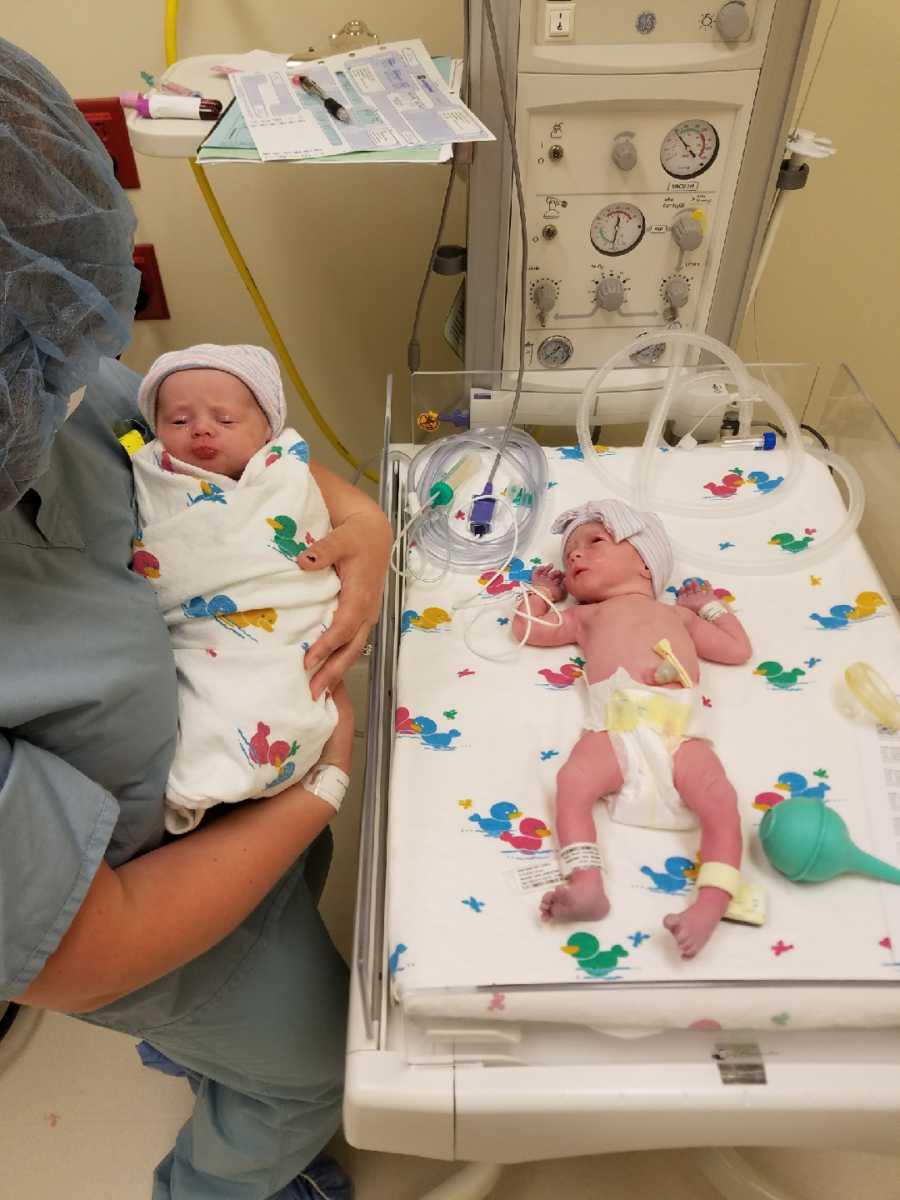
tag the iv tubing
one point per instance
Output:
(466, 553)
(171, 44)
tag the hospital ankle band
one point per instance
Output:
(719, 875)
(579, 856)
(712, 611)
(327, 782)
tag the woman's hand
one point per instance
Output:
(358, 548)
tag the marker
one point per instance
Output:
(157, 105)
(331, 106)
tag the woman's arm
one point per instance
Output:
(158, 911)
(358, 548)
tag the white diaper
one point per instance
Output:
(646, 726)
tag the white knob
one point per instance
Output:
(677, 292)
(687, 232)
(610, 293)
(732, 20)
(544, 297)
(624, 154)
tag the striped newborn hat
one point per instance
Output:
(253, 365)
(643, 529)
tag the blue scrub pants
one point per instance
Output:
(263, 1042)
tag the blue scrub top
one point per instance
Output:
(87, 684)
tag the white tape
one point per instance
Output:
(712, 611)
(328, 782)
(579, 856)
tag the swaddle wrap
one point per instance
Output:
(222, 556)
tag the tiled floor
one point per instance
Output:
(80, 1119)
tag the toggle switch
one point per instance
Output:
(560, 21)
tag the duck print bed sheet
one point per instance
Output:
(478, 744)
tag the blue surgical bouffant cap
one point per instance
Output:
(67, 280)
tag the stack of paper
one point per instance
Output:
(403, 107)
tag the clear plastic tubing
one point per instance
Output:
(449, 542)
(749, 390)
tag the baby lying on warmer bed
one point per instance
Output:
(643, 746)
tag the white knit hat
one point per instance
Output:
(643, 529)
(253, 365)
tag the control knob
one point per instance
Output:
(545, 295)
(624, 153)
(687, 232)
(677, 292)
(610, 293)
(732, 20)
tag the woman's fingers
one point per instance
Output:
(323, 553)
(332, 670)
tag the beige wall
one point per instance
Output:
(830, 290)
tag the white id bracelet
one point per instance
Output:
(327, 782)
(712, 611)
(579, 856)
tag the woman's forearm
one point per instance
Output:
(343, 500)
(158, 911)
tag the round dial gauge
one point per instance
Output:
(555, 351)
(617, 228)
(648, 355)
(689, 149)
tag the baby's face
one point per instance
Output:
(210, 419)
(597, 567)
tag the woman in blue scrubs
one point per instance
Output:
(210, 948)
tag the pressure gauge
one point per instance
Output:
(617, 228)
(648, 355)
(555, 351)
(689, 149)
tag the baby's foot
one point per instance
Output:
(693, 928)
(581, 898)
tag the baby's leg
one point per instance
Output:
(701, 782)
(591, 771)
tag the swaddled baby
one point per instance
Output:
(226, 505)
(642, 747)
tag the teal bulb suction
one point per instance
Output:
(809, 842)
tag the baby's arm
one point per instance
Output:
(547, 582)
(722, 640)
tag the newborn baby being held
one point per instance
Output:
(227, 505)
(640, 748)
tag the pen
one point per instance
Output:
(331, 106)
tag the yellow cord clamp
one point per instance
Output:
(669, 665)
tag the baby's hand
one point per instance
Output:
(694, 593)
(547, 580)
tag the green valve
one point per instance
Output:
(441, 493)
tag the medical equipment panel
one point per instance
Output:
(649, 140)
(630, 183)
